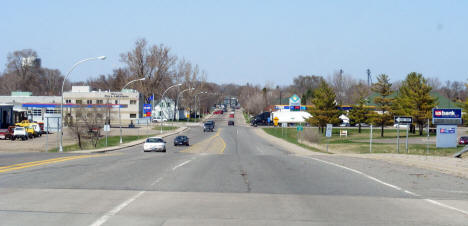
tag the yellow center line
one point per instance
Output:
(43, 162)
(207, 140)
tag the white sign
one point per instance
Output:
(284, 124)
(329, 130)
(106, 128)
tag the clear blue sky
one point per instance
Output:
(248, 41)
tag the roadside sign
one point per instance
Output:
(329, 130)
(300, 128)
(147, 110)
(403, 120)
(447, 116)
(106, 128)
(284, 125)
(275, 121)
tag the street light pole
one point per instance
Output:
(178, 96)
(120, 96)
(197, 108)
(63, 84)
(162, 98)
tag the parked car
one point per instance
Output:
(181, 140)
(20, 133)
(230, 123)
(154, 144)
(159, 119)
(345, 125)
(463, 140)
(208, 127)
(7, 134)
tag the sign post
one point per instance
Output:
(329, 133)
(106, 129)
(402, 120)
(299, 133)
(275, 121)
(446, 121)
(370, 140)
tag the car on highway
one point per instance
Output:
(463, 140)
(208, 126)
(231, 123)
(181, 140)
(154, 144)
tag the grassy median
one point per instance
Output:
(359, 142)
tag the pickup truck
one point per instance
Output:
(7, 134)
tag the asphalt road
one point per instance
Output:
(228, 177)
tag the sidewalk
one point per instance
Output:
(126, 145)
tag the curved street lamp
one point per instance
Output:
(196, 95)
(63, 84)
(162, 98)
(178, 96)
(120, 96)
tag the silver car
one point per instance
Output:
(154, 144)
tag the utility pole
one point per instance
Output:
(369, 77)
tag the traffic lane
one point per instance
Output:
(130, 171)
(194, 133)
(129, 168)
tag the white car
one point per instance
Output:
(159, 119)
(154, 144)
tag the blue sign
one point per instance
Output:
(447, 130)
(447, 113)
(146, 110)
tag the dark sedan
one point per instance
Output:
(181, 140)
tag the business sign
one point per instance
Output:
(294, 100)
(275, 121)
(450, 116)
(403, 120)
(329, 130)
(146, 110)
(446, 136)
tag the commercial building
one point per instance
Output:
(47, 108)
(131, 103)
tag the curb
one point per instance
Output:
(130, 144)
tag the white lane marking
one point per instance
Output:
(156, 181)
(390, 185)
(115, 210)
(175, 167)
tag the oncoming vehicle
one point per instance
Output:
(208, 126)
(20, 133)
(154, 144)
(181, 140)
(230, 123)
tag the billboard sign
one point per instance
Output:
(146, 110)
(446, 116)
(294, 100)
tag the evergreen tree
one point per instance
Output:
(383, 101)
(415, 94)
(360, 113)
(324, 110)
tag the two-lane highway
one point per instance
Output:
(228, 177)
